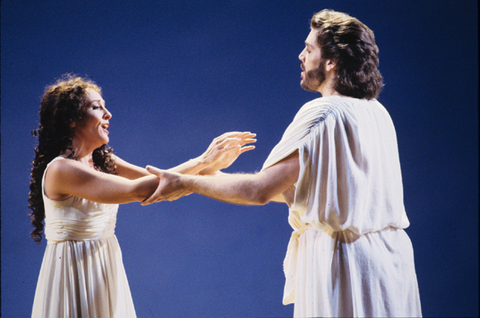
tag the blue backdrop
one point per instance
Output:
(177, 73)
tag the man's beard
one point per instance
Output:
(314, 78)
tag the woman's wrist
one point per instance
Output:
(197, 165)
(192, 166)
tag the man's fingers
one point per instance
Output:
(152, 199)
(147, 201)
(153, 170)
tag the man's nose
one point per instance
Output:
(301, 55)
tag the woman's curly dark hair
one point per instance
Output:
(63, 104)
(351, 44)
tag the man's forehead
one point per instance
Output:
(312, 38)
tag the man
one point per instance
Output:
(337, 167)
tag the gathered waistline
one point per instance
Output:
(51, 241)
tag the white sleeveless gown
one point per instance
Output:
(82, 273)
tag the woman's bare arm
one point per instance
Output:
(221, 153)
(65, 178)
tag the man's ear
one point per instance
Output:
(72, 125)
(330, 65)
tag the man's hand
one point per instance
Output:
(169, 187)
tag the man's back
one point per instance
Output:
(350, 174)
(348, 254)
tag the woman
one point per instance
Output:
(77, 183)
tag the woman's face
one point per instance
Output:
(91, 130)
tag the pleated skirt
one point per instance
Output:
(83, 279)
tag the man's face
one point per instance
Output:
(313, 65)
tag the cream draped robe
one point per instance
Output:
(348, 254)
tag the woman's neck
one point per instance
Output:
(81, 154)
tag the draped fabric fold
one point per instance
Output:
(349, 191)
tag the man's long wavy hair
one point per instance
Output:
(351, 44)
(63, 104)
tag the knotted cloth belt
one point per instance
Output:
(290, 262)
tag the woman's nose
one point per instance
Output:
(107, 114)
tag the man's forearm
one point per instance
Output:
(246, 189)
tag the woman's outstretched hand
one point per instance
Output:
(221, 153)
(225, 149)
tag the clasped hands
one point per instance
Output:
(221, 153)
